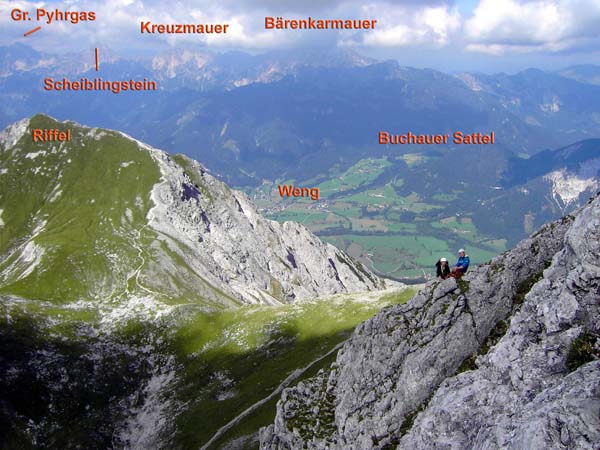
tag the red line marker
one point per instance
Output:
(97, 61)
(32, 31)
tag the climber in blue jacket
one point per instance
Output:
(462, 265)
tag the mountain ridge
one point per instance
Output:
(475, 362)
(528, 111)
(140, 296)
(179, 224)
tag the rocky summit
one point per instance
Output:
(506, 357)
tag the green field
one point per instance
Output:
(398, 235)
(361, 173)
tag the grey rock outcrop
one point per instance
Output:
(219, 234)
(504, 358)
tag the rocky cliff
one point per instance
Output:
(507, 357)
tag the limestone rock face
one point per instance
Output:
(504, 358)
(228, 243)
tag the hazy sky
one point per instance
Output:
(485, 35)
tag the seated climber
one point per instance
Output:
(442, 269)
(462, 265)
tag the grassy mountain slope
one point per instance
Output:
(121, 272)
(73, 377)
(105, 217)
(73, 214)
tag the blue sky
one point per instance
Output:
(482, 35)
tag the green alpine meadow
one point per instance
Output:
(145, 304)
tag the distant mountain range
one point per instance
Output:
(312, 117)
(298, 114)
(198, 70)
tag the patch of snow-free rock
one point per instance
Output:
(567, 186)
(28, 259)
(13, 133)
(221, 231)
(119, 311)
(33, 155)
(551, 107)
(147, 423)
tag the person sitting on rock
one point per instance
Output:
(462, 265)
(442, 269)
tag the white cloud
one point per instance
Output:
(400, 26)
(117, 25)
(241, 34)
(494, 27)
(400, 23)
(501, 26)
